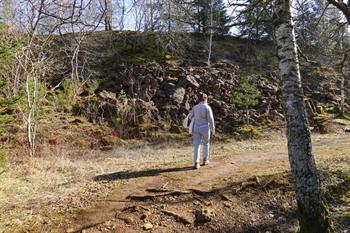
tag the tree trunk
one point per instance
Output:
(342, 86)
(343, 75)
(210, 44)
(313, 213)
(108, 15)
(7, 12)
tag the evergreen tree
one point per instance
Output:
(6, 107)
(7, 49)
(254, 20)
(318, 27)
(201, 16)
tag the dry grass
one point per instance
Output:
(39, 190)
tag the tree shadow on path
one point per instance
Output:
(125, 175)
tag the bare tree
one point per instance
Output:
(343, 7)
(108, 13)
(120, 8)
(35, 62)
(6, 14)
(313, 214)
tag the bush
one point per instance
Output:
(248, 131)
(63, 99)
(246, 95)
(6, 107)
(2, 161)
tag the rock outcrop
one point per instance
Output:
(161, 96)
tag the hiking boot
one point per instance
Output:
(205, 162)
(197, 165)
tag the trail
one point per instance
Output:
(231, 167)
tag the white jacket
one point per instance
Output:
(185, 123)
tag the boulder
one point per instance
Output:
(179, 95)
(188, 81)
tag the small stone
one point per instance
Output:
(147, 226)
(347, 129)
(71, 230)
(129, 220)
(204, 215)
(257, 180)
(144, 216)
(227, 205)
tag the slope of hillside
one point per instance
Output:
(149, 82)
(141, 85)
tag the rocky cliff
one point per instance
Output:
(142, 88)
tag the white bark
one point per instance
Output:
(210, 44)
(342, 94)
(313, 216)
(108, 14)
(7, 12)
(343, 76)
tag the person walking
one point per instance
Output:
(203, 125)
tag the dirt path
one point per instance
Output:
(231, 167)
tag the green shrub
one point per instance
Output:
(64, 98)
(248, 131)
(6, 107)
(246, 95)
(9, 45)
(2, 160)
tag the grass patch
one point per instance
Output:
(337, 184)
(2, 161)
(177, 177)
(342, 121)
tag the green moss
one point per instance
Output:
(322, 117)
(319, 122)
(342, 121)
(139, 48)
(248, 131)
(107, 142)
(321, 223)
(339, 191)
(2, 160)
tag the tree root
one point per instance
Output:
(178, 217)
(154, 196)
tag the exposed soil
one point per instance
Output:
(248, 191)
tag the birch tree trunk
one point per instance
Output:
(210, 43)
(313, 212)
(108, 15)
(7, 12)
(342, 85)
(343, 75)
